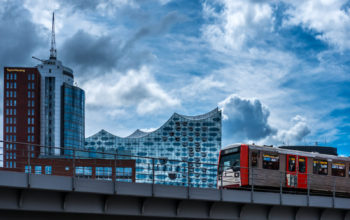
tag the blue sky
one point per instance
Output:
(279, 70)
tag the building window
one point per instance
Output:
(338, 169)
(104, 173)
(7, 85)
(14, 129)
(48, 170)
(123, 171)
(32, 94)
(33, 76)
(29, 121)
(28, 169)
(14, 94)
(14, 156)
(7, 94)
(14, 85)
(270, 162)
(37, 169)
(32, 121)
(320, 167)
(83, 171)
(14, 76)
(28, 94)
(28, 76)
(28, 103)
(14, 111)
(14, 164)
(32, 103)
(8, 76)
(14, 103)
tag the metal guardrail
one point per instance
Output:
(31, 158)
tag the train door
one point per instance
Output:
(302, 172)
(291, 171)
(296, 171)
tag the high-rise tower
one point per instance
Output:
(62, 105)
(41, 106)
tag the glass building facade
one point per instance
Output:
(73, 103)
(186, 147)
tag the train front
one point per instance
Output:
(229, 172)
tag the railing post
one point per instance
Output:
(308, 189)
(115, 173)
(222, 182)
(74, 163)
(334, 188)
(153, 172)
(281, 186)
(252, 188)
(28, 154)
(188, 179)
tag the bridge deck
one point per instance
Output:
(46, 193)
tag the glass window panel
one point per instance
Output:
(37, 169)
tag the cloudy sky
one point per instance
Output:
(279, 70)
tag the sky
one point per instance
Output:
(279, 70)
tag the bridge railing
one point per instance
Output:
(111, 166)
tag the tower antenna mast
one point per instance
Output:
(53, 52)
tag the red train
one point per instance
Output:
(244, 165)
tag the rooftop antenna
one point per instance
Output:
(53, 52)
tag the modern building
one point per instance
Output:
(42, 107)
(21, 118)
(183, 145)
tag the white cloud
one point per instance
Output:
(199, 85)
(328, 18)
(238, 22)
(245, 119)
(296, 133)
(136, 89)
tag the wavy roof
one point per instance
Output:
(139, 134)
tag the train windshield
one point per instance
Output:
(230, 159)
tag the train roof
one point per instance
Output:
(294, 152)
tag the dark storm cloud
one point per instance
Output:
(85, 51)
(19, 36)
(245, 119)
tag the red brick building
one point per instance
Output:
(21, 114)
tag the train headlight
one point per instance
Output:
(237, 174)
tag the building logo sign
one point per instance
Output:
(15, 70)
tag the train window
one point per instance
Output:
(320, 167)
(291, 163)
(229, 161)
(338, 169)
(254, 159)
(271, 162)
(302, 165)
